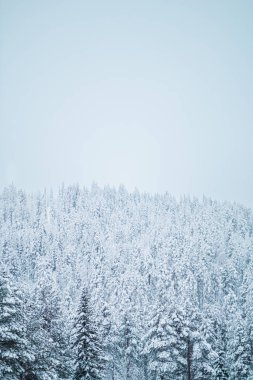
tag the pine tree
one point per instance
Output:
(219, 344)
(239, 351)
(42, 367)
(47, 336)
(157, 347)
(53, 324)
(14, 352)
(89, 362)
(175, 346)
(111, 343)
(194, 346)
(129, 346)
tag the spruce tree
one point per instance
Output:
(129, 347)
(14, 352)
(239, 351)
(157, 347)
(89, 362)
(219, 343)
(47, 337)
(110, 335)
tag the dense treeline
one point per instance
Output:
(168, 286)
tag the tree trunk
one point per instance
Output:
(145, 368)
(113, 371)
(128, 370)
(189, 355)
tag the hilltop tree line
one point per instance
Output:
(106, 284)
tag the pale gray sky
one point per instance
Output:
(156, 95)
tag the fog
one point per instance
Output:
(155, 95)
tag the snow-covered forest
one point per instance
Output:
(166, 285)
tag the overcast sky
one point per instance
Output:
(156, 95)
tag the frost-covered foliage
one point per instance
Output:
(89, 360)
(14, 347)
(169, 283)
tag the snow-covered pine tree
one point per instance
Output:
(239, 351)
(110, 335)
(51, 321)
(42, 367)
(14, 351)
(194, 354)
(129, 346)
(220, 346)
(157, 344)
(89, 361)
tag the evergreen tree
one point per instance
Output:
(219, 343)
(54, 326)
(129, 346)
(239, 351)
(42, 367)
(111, 343)
(47, 336)
(89, 362)
(14, 352)
(194, 346)
(157, 347)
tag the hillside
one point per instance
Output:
(170, 282)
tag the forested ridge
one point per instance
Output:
(149, 287)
